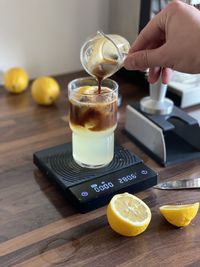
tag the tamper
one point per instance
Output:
(157, 103)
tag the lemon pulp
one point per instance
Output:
(128, 215)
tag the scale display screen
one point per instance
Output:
(111, 183)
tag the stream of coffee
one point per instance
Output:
(104, 69)
(99, 85)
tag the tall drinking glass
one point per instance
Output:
(93, 119)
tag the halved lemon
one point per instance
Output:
(180, 215)
(128, 215)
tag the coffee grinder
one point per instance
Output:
(164, 131)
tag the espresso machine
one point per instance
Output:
(164, 131)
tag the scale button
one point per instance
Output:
(144, 171)
(84, 194)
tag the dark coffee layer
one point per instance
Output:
(93, 116)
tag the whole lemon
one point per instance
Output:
(45, 90)
(16, 80)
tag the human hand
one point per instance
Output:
(170, 40)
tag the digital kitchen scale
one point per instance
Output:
(88, 189)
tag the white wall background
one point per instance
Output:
(124, 18)
(45, 36)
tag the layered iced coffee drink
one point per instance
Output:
(93, 119)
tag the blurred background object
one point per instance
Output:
(184, 89)
(45, 36)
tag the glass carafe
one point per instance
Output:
(103, 54)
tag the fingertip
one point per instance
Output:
(127, 63)
(154, 74)
(166, 75)
(136, 61)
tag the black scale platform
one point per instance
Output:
(88, 189)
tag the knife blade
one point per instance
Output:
(179, 184)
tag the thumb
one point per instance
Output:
(148, 58)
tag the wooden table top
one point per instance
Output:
(38, 227)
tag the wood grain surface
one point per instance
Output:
(38, 227)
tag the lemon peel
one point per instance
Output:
(180, 215)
